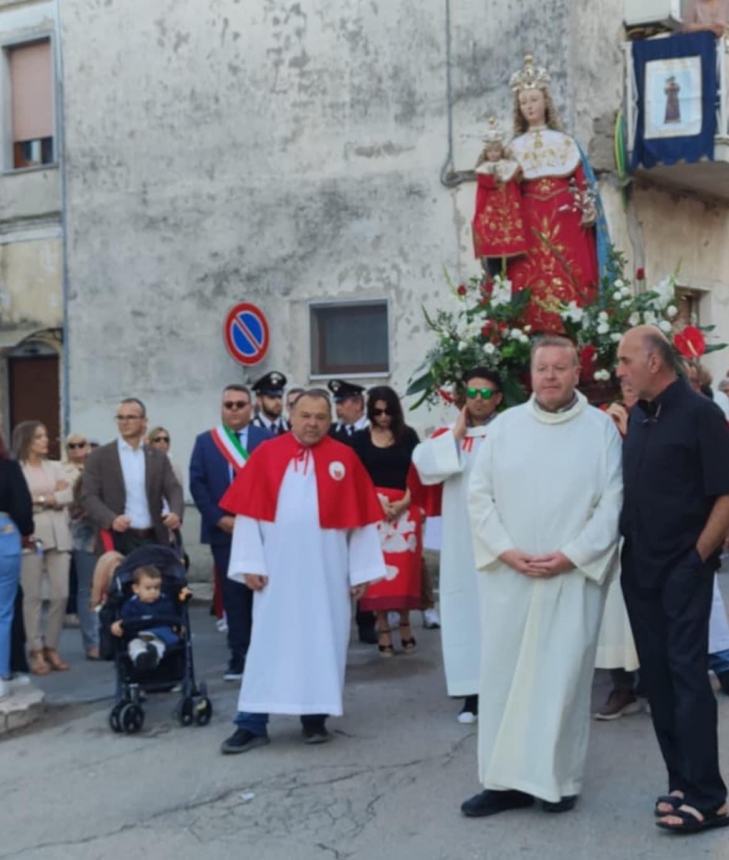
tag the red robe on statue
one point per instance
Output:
(560, 265)
(498, 223)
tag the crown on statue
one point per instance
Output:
(530, 77)
(494, 132)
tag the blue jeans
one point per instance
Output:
(719, 662)
(85, 563)
(9, 577)
(257, 724)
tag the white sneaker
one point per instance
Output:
(466, 718)
(222, 625)
(431, 619)
(19, 679)
(4, 689)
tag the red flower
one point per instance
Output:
(446, 395)
(503, 326)
(588, 356)
(462, 290)
(640, 274)
(690, 342)
(487, 287)
(486, 328)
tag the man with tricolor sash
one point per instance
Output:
(219, 454)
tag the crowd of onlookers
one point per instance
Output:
(67, 524)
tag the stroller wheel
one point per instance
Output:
(203, 711)
(131, 718)
(114, 723)
(186, 711)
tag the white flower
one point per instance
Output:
(527, 328)
(634, 318)
(626, 292)
(665, 290)
(489, 348)
(617, 295)
(649, 318)
(665, 326)
(462, 346)
(601, 375)
(602, 316)
(524, 338)
(619, 284)
(615, 336)
(515, 334)
(671, 311)
(573, 312)
(603, 328)
(501, 293)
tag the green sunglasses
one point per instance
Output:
(486, 393)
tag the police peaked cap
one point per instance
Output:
(272, 383)
(342, 390)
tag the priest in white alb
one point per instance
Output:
(445, 461)
(544, 499)
(305, 541)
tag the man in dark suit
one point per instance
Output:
(125, 482)
(216, 458)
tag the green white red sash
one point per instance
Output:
(229, 445)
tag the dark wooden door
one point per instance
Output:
(34, 395)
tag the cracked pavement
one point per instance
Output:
(390, 782)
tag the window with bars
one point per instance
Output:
(349, 338)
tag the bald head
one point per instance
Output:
(646, 361)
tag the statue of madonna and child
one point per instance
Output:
(537, 208)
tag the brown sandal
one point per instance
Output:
(55, 660)
(38, 665)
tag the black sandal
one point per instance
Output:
(408, 645)
(691, 824)
(672, 800)
(386, 650)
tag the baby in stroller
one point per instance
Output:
(148, 603)
(145, 629)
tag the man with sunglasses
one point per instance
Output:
(445, 461)
(124, 484)
(217, 457)
(269, 391)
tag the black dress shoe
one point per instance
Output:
(564, 805)
(318, 735)
(367, 634)
(234, 672)
(241, 741)
(491, 802)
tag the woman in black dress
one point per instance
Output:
(386, 448)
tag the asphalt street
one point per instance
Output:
(389, 784)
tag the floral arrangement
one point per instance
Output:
(487, 330)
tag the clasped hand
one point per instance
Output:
(537, 566)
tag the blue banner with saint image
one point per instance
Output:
(678, 94)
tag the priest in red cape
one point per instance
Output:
(305, 541)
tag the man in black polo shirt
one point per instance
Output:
(675, 517)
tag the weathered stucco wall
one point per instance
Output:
(282, 152)
(30, 285)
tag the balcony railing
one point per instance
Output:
(705, 177)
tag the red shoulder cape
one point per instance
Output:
(346, 494)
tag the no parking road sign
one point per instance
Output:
(246, 333)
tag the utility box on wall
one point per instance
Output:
(644, 12)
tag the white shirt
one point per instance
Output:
(133, 467)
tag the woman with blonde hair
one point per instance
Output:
(51, 494)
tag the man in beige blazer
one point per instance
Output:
(124, 484)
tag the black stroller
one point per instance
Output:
(176, 666)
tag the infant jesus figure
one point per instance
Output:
(498, 225)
